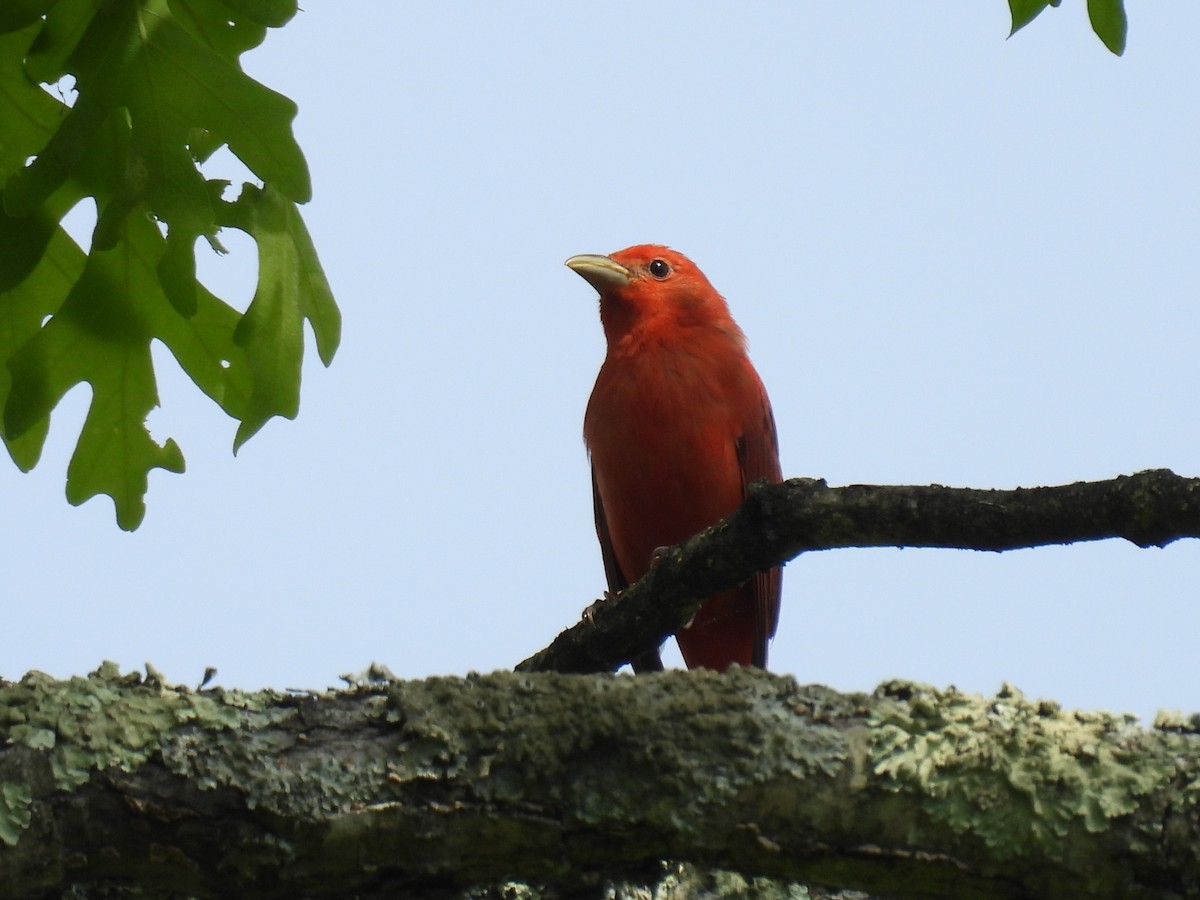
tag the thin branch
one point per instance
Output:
(778, 522)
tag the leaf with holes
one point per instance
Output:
(159, 87)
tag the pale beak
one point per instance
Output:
(601, 272)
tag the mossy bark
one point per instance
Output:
(115, 785)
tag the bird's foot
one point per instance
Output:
(589, 614)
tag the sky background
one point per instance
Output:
(958, 259)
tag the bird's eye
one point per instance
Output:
(660, 269)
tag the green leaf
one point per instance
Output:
(1109, 23)
(291, 288)
(28, 115)
(64, 27)
(181, 84)
(1025, 11)
(202, 344)
(139, 61)
(160, 87)
(1107, 18)
(30, 187)
(24, 241)
(22, 311)
(101, 335)
(211, 24)
(177, 272)
(272, 13)
(16, 14)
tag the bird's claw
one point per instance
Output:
(589, 614)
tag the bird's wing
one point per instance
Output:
(612, 571)
(650, 661)
(758, 456)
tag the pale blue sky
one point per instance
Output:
(958, 259)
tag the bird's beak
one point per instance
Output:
(601, 272)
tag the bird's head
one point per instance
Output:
(649, 285)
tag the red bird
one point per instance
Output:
(677, 425)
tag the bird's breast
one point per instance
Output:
(662, 428)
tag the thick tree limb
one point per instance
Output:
(434, 788)
(779, 522)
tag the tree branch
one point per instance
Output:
(435, 788)
(778, 522)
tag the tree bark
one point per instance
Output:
(116, 785)
(445, 787)
(780, 521)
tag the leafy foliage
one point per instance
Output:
(159, 89)
(1107, 18)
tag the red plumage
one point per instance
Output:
(677, 425)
